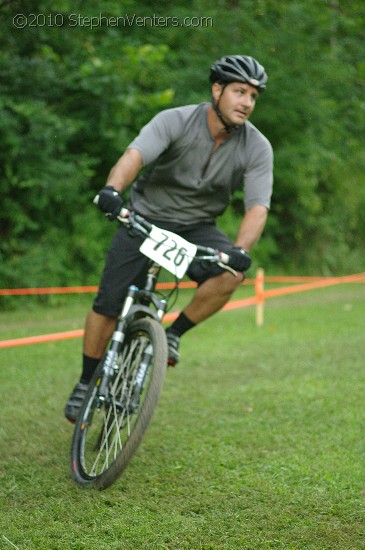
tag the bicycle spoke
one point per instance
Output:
(107, 423)
(118, 415)
(104, 446)
(107, 447)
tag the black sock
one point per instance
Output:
(181, 325)
(89, 365)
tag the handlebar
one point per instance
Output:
(143, 227)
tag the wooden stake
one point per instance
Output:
(259, 289)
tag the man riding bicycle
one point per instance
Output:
(197, 156)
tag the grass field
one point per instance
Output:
(257, 441)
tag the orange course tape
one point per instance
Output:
(41, 339)
(49, 290)
(77, 289)
(319, 283)
(160, 286)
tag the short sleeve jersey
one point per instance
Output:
(185, 181)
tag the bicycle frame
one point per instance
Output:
(136, 305)
(125, 387)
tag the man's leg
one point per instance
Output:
(124, 265)
(98, 331)
(209, 298)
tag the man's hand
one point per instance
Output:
(239, 260)
(110, 202)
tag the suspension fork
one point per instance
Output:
(145, 297)
(147, 294)
(110, 361)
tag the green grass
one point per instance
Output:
(257, 441)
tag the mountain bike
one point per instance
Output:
(126, 385)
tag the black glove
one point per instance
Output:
(110, 202)
(239, 260)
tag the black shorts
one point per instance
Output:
(126, 265)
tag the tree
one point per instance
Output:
(70, 102)
(78, 83)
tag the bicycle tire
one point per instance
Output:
(111, 432)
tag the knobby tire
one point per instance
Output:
(106, 436)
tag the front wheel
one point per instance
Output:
(109, 430)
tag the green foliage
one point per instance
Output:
(70, 103)
(73, 96)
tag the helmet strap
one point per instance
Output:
(229, 128)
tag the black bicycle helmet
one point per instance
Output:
(239, 68)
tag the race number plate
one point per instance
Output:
(170, 250)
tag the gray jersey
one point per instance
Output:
(187, 182)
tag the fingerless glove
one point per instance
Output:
(239, 260)
(110, 202)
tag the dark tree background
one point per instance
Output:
(74, 91)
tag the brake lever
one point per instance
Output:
(228, 268)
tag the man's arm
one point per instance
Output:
(251, 227)
(125, 171)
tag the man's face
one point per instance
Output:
(237, 101)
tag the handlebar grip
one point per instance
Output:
(124, 212)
